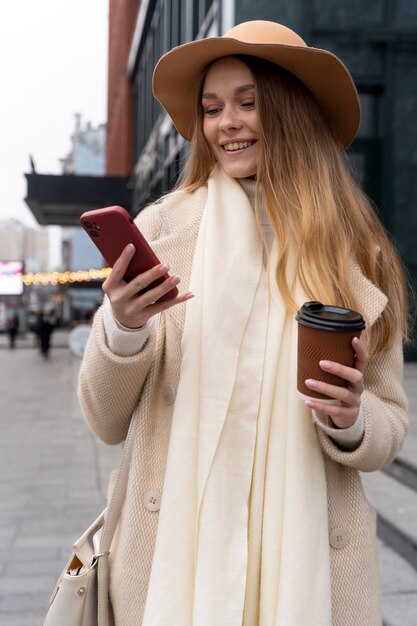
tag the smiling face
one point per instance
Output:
(230, 119)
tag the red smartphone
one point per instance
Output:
(111, 229)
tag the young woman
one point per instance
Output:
(244, 504)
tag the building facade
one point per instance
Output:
(88, 147)
(86, 158)
(119, 140)
(29, 247)
(377, 41)
(22, 243)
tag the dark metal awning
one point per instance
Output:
(59, 200)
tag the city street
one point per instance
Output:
(53, 474)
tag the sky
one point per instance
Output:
(53, 64)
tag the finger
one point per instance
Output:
(142, 281)
(128, 303)
(346, 395)
(342, 417)
(119, 268)
(353, 375)
(361, 354)
(134, 316)
(159, 307)
(153, 295)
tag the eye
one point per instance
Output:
(212, 111)
(248, 104)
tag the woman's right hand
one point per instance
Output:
(130, 309)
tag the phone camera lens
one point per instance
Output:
(94, 233)
(88, 225)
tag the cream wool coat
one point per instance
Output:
(112, 389)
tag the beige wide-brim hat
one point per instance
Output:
(177, 73)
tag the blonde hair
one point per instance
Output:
(314, 205)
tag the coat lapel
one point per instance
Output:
(181, 215)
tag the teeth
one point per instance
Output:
(230, 147)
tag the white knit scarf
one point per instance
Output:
(242, 535)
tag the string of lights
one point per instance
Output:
(61, 278)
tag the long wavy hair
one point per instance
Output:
(313, 203)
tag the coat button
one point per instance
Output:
(168, 394)
(339, 537)
(152, 500)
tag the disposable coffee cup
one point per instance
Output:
(325, 332)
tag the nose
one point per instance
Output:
(229, 119)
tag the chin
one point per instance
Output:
(239, 171)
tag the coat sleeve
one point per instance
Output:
(385, 415)
(109, 386)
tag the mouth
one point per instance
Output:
(238, 145)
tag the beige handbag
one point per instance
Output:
(83, 599)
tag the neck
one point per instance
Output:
(249, 187)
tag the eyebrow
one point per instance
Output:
(209, 95)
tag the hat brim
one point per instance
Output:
(176, 79)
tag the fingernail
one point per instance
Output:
(175, 280)
(163, 268)
(356, 340)
(325, 365)
(310, 404)
(311, 383)
(130, 247)
(189, 295)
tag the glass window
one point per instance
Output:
(168, 26)
(174, 23)
(200, 11)
(196, 19)
(371, 110)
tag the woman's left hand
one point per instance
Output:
(345, 413)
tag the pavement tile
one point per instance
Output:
(28, 618)
(24, 602)
(33, 553)
(29, 584)
(400, 609)
(43, 541)
(48, 567)
(405, 580)
(7, 533)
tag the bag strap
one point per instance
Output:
(112, 515)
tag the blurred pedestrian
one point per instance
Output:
(36, 328)
(13, 329)
(46, 327)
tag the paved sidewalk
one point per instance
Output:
(410, 384)
(53, 473)
(53, 477)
